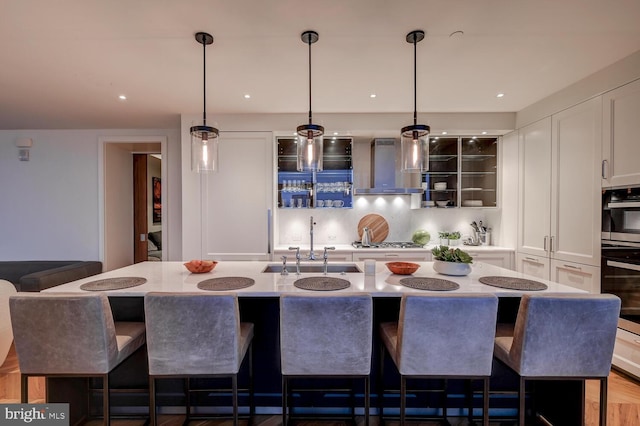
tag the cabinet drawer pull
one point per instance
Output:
(605, 163)
(544, 245)
(551, 245)
(391, 255)
(531, 259)
(572, 267)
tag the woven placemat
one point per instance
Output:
(434, 284)
(113, 283)
(513, 283)
(225, 283)
(322, 283)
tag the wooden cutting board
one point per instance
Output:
(378, 227)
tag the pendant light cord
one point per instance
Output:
(415, 84)
(204, 84)
(310, 120)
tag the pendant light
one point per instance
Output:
(204, 139)
(310, 135)
(415, 138)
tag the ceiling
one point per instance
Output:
(64, 63)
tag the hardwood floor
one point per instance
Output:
(623, 403)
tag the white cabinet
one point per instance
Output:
(620, 147)
(237, 199)
(502, 259)
(584, 277)
(393, 256)
(536, 266)
(626, 354)
(560, 192)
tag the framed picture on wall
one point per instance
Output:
(157, 200)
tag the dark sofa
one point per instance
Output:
(37, 275)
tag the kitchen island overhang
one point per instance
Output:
(259, 305)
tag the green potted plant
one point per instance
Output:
(454, 238)
(451, 261)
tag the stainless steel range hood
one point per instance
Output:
(385, 176)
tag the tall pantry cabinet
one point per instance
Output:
(559, 204)
(620, 148)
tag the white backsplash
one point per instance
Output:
(339, 226)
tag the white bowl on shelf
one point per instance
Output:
(442, 203)
(471, 203)
(440, 186)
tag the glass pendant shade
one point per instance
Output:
(310, 148)
(415, 148)
(204, 149)
(204, 139)
(415, 138)
(310, 143)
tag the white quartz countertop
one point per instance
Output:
(174, 277)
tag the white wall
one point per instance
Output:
(49, 205)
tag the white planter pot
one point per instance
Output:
(444, 242)
(454, 242)
(451, 268)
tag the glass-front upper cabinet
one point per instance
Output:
(440, 183)
(462, 172)
(478, 172)
(330, 188)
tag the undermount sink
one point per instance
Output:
(314, 268)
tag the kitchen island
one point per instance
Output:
(259, 304)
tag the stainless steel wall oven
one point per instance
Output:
(620, 267)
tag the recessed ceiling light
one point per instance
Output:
(335, 133)
(122, 97)
(500, 95)
(247, 96)
(484, 133)
(444, 133)
(373, 95)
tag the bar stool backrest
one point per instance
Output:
(63, 333)
(565, 335)
(193, 333)
(326, 335)
(7, 289)
(448, 335)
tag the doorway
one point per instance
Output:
(127, 214)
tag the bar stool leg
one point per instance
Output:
(381, 386)
(521, 407)
(284, 401)
(152, 401)
(234, 398)
(252, 408)
(105, 399)
(485, 401)
(24, 388)
(403, 398)
(367, 397)
(603, 401)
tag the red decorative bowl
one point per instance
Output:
(402, 268)
(200, 266)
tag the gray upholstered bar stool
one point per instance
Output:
(196, 335)
(325, 336)
(67, 335)
(441, 336)
(566, 336)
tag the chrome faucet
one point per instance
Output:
(312, 255)
(297, 249)
(325, 256)
(284, 266)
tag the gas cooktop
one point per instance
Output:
(388, 244)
